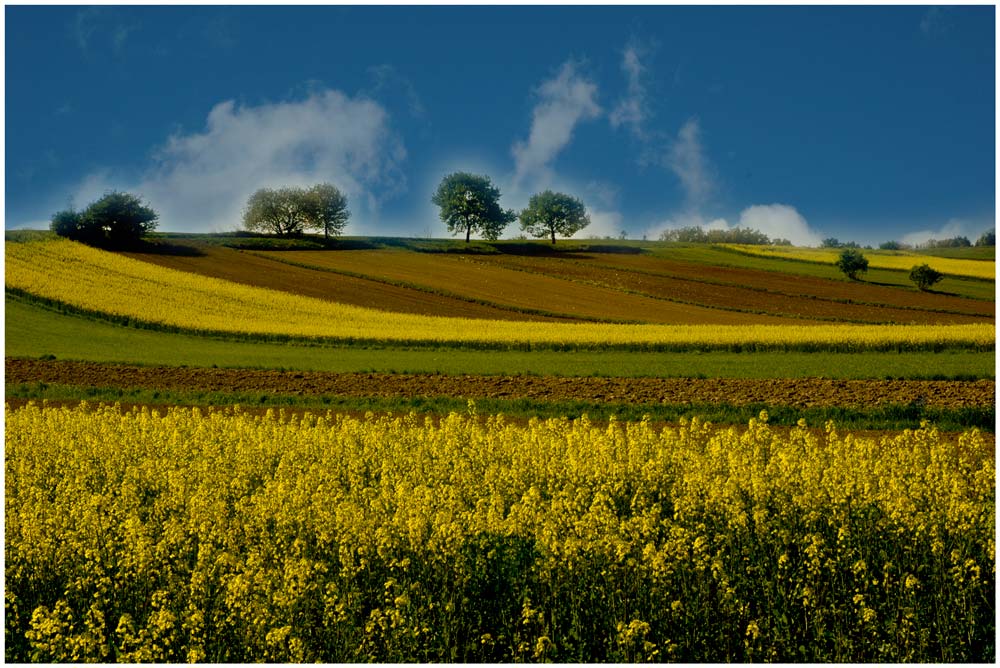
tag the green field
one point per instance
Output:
(34, 331)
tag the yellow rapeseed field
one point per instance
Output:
(100, 281)
(227, 537)
(881, 259)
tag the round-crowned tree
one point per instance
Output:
(471, 203)
(551, 213)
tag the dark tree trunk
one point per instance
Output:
(468, 232)
(553, 235)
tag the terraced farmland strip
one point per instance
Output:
(719, 295)
(34, 331)
(898, 260)
(516, 288)
(721, 256)
(76, 277)
(804, 392)
(250, 269)
(797, 284)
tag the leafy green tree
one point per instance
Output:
(831, 242)
(121, 217)
(987, 239)
(924, 276)
(550, 213)
(326, 209)
(69, 223)
(282, 211)
(470, 202)
(116, 219)
(852, 262)
(890, 245)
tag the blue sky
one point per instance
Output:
(864, 123)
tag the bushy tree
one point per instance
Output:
(852, 262)
(551, 213)
(326, 209)
(987, 239)
(290, 211)
(830, 242)
(890, 245)
(281, 211)
(116, 219)
(924, 277)
(470, 202)
(68, 223)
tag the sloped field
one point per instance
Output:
(94, 280)
(748, 290)
(901, 260)
(252, 269)
(518, 289)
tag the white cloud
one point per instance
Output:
(632, 109)
(200, 181)
(953, 228)
(686, 158)
(563, 102)
(602, 224)
(780, 221)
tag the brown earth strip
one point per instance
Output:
(696, 291)
(249, 269)
(796, 284)
(803, 392)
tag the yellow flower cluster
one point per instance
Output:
(228, 537)
(104, 282)
(882, 259)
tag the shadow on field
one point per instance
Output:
(158, 247)
(575, 251)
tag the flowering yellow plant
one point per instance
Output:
(228, 537)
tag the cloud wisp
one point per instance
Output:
(201, 180)
(686, 159)
(563, 102)
(632, 109)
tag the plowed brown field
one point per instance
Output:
(778, 392)
(701, 291)
(519, 289)
(249, 269)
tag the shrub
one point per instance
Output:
(852, 262)
(924, 276)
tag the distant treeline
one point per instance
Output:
(985, 239)
(737, 235)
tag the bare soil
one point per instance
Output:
(804, 392)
